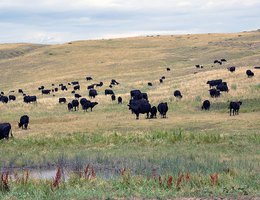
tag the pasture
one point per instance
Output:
(188, 140)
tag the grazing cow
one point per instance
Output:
(61, 84)
(223, 87)
(29, 99)
(163, 109)
(52, 84)
(153, 112)
(46, 92)
(73, 92)
(235, 106)
(232, 69)
(77, 87)
(75, 104)
(11, 91)
(141, 106)
(100, 84)
(20, 91)
(223, 60)
(197, 66)
(62, 100)
(108, 91)
(113, 97)
(88, 78)
(52, 90)
(77, 96)
(135, 94)
(63, 87)
(24, 121)
(161, 80)
(83, 101)
(75, 83)
(149, 84)
(119, 100)
(177, 94)
(4, 99)
(88, 105)
(163, 77)
(91, 86)
(70, 106)
(249, 73)
(168, 69)
(12, 98)
(110, 86)
(205, 105)
(2, 93)
(217, 61)
(214, 93)
(92, 93)
(69, 83)
(114, 82)
(56, 89)
(213, 83)
(41, 88)
(201, 67)
(5, 130)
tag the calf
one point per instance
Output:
(119, 100)
(24, 121)
(235, 106)
(5, 130)
(163, 109)
(62, 100)
(153, 112)
(249, 73)
(205, 105)
(177, 94)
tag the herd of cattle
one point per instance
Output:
(138, 103)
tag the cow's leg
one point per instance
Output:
(137, 116)
(230, 111)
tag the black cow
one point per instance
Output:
(24, 121)
(136, 94)
(63, 87)
(110, 86)
(56, 89)
(144, 96)
(20, 91)
(119, 100)
(29, 99)
(62, 100)
(12, 98)
(149, 84)
(88, 105)
(217, 61)
(141, 106)
(108, 91)
(77, 87)
(4, 99)
(197, 66)
(75, 104)
(235, 106)
(113, 97)
(91, 86)
(223, 60)
(177, 94)
(163, 77)
(168, 69)
(70, 106)
(52, 84)
(2, 93)
(214, 93)
(223, 87)
(232, 69)
(77, 96)
(249, 73)
(5, 130)
(73, 92)
(75, 83)
(41, 88)
(161, 80)
(92, 93)
(153, 112)
(46, 91)
(100, 84)
(205, 105)
(213, 83)
(163, 109)
(114, 82)
(88, 78)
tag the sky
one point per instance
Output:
(60, 21)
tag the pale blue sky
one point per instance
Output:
(59, 21)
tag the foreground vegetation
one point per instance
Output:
(202, 143)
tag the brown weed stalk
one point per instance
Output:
(187, 177)
(179, 180)
(4, 182)
(160, 181)
(57, 179)
(169, 182)
(214, 179)
(86, 172)
(93, 173)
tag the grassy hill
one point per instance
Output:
(188, 140)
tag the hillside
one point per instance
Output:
(188, 139)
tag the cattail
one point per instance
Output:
(214, 179)
(187, 177)
(169, 182)
(86, 171)
(26, 177)
(160, 181)
(179, 180)
(57, 179)
(93, 173)
(122, 171)
(4, 182)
